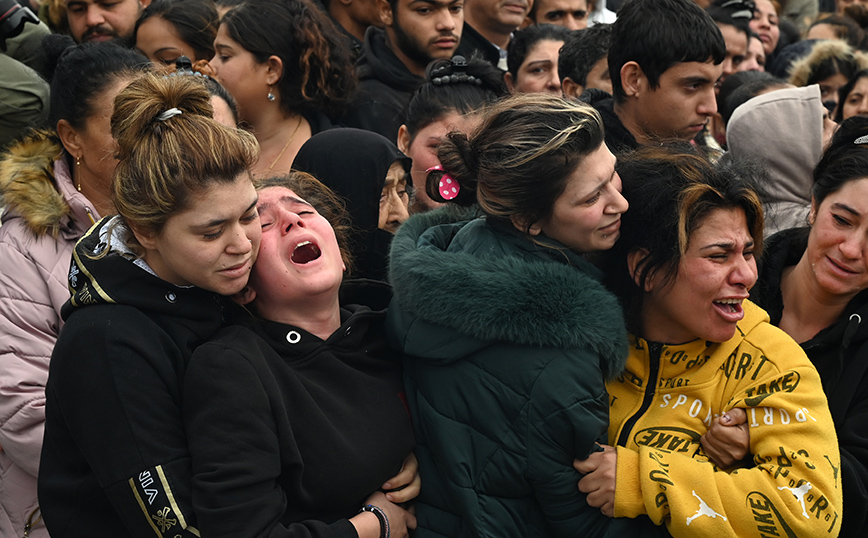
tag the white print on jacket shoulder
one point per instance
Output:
(693, 410)
(799, 494)
(768, 416)
(704, 510)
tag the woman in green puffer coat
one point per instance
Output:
(507, 332)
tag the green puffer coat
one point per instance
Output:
(507, 344)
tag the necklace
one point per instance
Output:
(288, 142)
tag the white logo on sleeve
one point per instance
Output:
(704, 510)
(799, 493)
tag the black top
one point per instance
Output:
(840, 354)
(385, 87)
(289, 434)
(115, 459)
(618, 138)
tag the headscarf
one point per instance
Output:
(353, 163)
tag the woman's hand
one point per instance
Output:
(599, 480)
(368, 525)
(405, 485)
(727, 441)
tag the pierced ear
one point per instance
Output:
(403, 138)
(275, 70)
(633, 260)
(385, 9)
(69, 138)
(571, 89)
(633, 79)
(510, 82)
(245, 296)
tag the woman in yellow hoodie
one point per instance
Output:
(683, 268)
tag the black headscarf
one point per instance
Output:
(354, 163)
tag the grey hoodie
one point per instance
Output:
(784, 130)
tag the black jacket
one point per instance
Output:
(618, 138)
(114, 458)
(317, 426)
(385, 86)
(840, 354)
(475, 44)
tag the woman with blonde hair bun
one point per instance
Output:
(146, 289)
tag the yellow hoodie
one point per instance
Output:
(792, 487)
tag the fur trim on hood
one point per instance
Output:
(27, 183)
(802, 69)
(513, 299)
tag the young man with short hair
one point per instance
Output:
(583, 63)
(394, 58)
(664, 61)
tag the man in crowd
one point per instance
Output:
(664, 61)
(489, 25)
(584, 61)
(394, 58)
(101, 20)
(572, 14)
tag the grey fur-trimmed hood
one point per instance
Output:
(520, 294)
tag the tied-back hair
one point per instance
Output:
(672, 190)
(519, 160)
(163, 163)
(324, 200)
(657, 34)
(80, 73)
(432, 101)
(845, 160)
(844, 93)
(318, 74)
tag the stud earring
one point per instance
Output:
(270, 95)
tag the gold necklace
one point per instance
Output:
(288, 142)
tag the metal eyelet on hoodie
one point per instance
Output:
(293, 337)
(171, 297)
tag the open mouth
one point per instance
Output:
(305, 252)
(729, 306)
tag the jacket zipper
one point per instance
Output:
(654, 349)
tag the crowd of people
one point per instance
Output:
(437, 268)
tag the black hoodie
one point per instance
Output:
(840, 354)
(114, 458)
(385, 86)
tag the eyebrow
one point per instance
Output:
(848, 209)
(218, 222)
(539, 63)
(218, 46)
(598, 187)
(727, 245)
(696, 80)
(286, 199)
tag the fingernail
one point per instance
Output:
(387, 485)
(725, 418)
(390, 497)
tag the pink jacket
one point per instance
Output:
(43, 218)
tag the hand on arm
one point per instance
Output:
(368, 525)
(727, 441)
(404, 486)
(599, 480)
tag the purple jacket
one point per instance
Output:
(43, 218)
